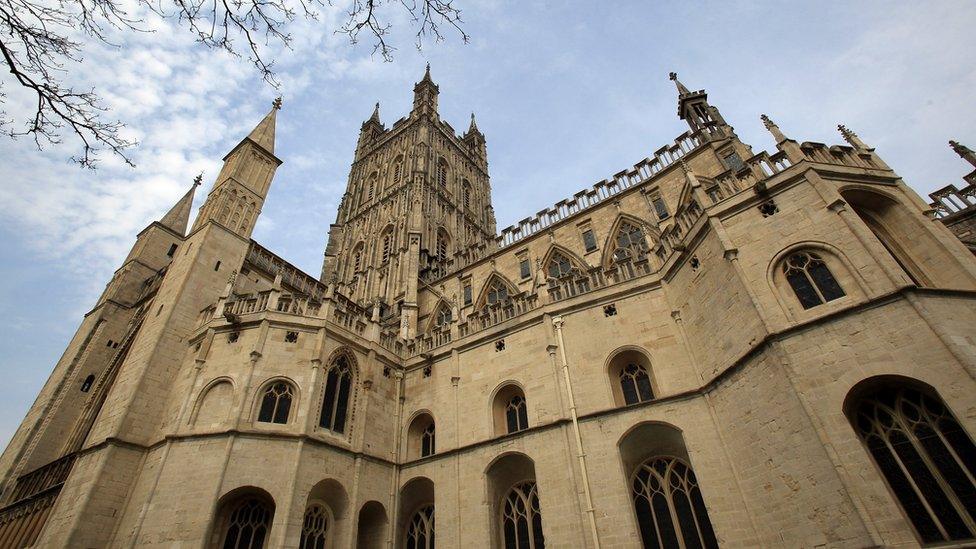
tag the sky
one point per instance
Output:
(567, 93)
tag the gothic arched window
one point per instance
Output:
(669, 505)
(248, 524)
(397, 169)
(357, 258)
(559, 265)
(926, 457)
(338, 389)
(635, 384)
(516, 414)
(315, 528)
(387, 243)
(427, 441)
(629, 242)
(443, 317)
(276, 403)
(442, 172)
(466, 194)
(811, 280)
(371, 187)
(521, 519)
(443, 243)
(497, 292)
(420, 530)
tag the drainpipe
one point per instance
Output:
(557, 323)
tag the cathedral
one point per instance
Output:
(713, 347)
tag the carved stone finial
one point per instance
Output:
(276, 104)
(673, 76)
(851, 137)
(963, 151)
(198, 180)
(773, 129)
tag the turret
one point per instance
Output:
(242, 185)
(425, 96)
(474, 139)
(693, 107)
(370, 131)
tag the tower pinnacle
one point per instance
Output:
(178, 217)
(425, 96)
(263, 135)
(773, 129)
(851, 137)
(963, 151)
(474, 126)
(681, 87)
(376, 113)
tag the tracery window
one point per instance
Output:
(370, 187)
(669, 506)
(420, 531)
(630, 242)
(811, 280)
(521, 518)
(248, 525)
(559, 265)
(276, 403)
(516, 414)
(466, 195)
(315, 528)
(442, 244)
(635, 384)
(427, 441)
(497, 292)
(442, 172)
(335, 402)
(926, 457)
(443, 316)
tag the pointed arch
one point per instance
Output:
(442, 244)
(629, 242)
(557, 250)
(339, 394)
(495, 282)
(440, 315)
(356, 258)
(397, 172)
(386, 246)
(442, 171)
(466, 194)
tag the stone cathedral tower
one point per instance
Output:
(711, 347)
(417, 202)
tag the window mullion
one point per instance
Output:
(911, 481)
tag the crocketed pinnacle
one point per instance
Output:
(178, 217)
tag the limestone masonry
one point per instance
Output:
(713, 347)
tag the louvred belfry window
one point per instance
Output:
(335, 402)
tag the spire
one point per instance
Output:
(178, 217)
(427, 75)
(773, 129)
(264, 133)
(376, 114)
(851, 138)
(964, 152)
(474, 126)
(681, 87)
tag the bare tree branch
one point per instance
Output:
(37, 45)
